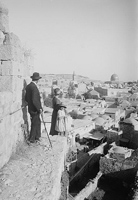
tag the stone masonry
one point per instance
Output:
(16, 66)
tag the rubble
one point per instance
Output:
(118, 159)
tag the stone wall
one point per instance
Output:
(130, 134)
(110, 165)
(15, 68)
(102, 91)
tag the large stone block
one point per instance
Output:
(7, 124)
(27, 70)
(3, 8)
(29, 60)
(6, 52)
(5, 105)
(18, 96)
(10, 84)
(10, 52)
(18, 117)
(1, 112)
(13, 68)
(11, 133)
(4, 20)
(4, 110)
(19, 86)
(5, 98)
(2, 37)
(12, 39)
(3, 158)
(6, 84)
(14, 107)
(8, 68)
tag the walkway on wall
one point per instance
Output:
(34, 172)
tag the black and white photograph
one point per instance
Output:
(68, 99)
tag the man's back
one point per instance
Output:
(32, 97)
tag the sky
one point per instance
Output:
(94, 38)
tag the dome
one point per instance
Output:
(114, 78)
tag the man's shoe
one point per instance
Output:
(38, 140)
(32, 141)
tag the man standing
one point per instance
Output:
(32, 97)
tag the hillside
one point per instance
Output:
(63, 81)
(66, 77)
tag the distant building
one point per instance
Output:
(115, 113)
(73, 89)
(114, 78)
(92, 94)
(114, 81)
(82, 88)
(98, 111)
(133, 99)
(111, 92)
(124, 104)
(54, 86)
(103, 91)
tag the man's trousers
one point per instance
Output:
(35, 132)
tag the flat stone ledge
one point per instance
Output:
(34, 172)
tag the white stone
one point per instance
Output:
(10, 52)
(2, 37)
(4, 22)
(5, 98)
(12, 39)
(6, 84)
(8, 182)
(11, 84)
(10, 68)
(33, 189)
(13, 71)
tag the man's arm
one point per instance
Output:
(36, 99)
(26, 97)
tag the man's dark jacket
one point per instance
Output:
(32, 97)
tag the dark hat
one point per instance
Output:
(35, 76)
(62, 105)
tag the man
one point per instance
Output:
(32, 97)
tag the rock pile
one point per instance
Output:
(118, 163)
